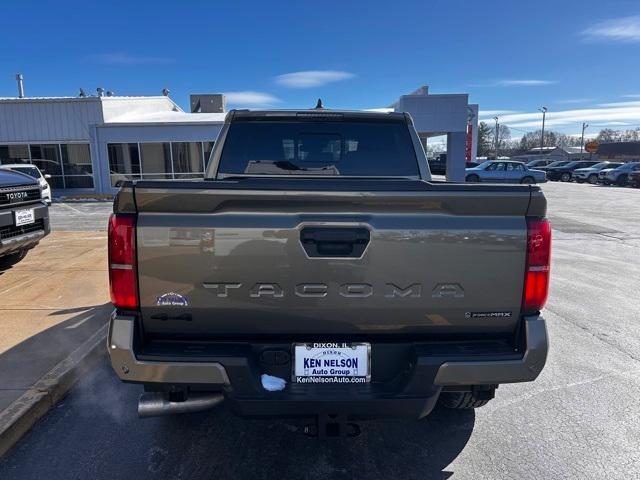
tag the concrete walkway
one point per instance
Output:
(51, 302)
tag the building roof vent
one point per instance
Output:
(20, 81)
(207, 103)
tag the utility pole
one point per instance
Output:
(497, 135)
(544, 114)
(584, 126)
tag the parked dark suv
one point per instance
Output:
(564, 172)
(557, 163)
(538, 164)
(24, 216)
(634, 179)
(438, 165)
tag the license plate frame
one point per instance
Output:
(25, 216)
(321, 351)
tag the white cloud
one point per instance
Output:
(528, 82)
(574, 100)
(492, 113)
(312, 78)
(635, 103)
(587, 135)
(625, 29)
(622, 114)
(523, 83)
(249, 98)
(122, 58)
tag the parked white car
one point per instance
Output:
(33, 171)
(504, 172)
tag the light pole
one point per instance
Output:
(497, 134)
(584, 126)
(544, 114)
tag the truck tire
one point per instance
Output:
(9, 260)
(462, 400)
(473, 178)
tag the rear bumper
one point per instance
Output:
(14, 239)
(411, 391)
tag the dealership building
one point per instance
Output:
(89, 144)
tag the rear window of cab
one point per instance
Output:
(328, 148)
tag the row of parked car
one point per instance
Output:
(539, 171)
(589, 171)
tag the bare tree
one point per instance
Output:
(607, 135)
(551, 139)
(504, 135)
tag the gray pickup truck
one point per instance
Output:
(318, 271)
(24, 216)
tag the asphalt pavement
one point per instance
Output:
(579, 419)
(80, 216)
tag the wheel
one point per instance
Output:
(11, 259)
(622, 180)
(593, 179)
(529, 180)
(465, 400)
(473, 178)
(565, 177)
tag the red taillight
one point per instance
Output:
(122, 261)
(536, 281)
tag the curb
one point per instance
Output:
(22, 414)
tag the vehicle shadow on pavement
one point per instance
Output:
(95, 433)
(274, 449)
(24, 363)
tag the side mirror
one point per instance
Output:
(47, 176)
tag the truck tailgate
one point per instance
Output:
(328, 257)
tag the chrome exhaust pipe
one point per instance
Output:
(153, 404)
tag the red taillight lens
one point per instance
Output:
(536, 281)
(122, 261)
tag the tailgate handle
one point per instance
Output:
(348, 242)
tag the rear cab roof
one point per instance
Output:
(316, 114)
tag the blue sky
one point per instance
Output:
(579, 58)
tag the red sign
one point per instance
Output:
(591, 147)
(467, 152)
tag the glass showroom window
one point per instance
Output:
(47, 158)
(187, 160)
(14, 154)
(124, 162)
(76, 162)
(155, 160)
(208, 146)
